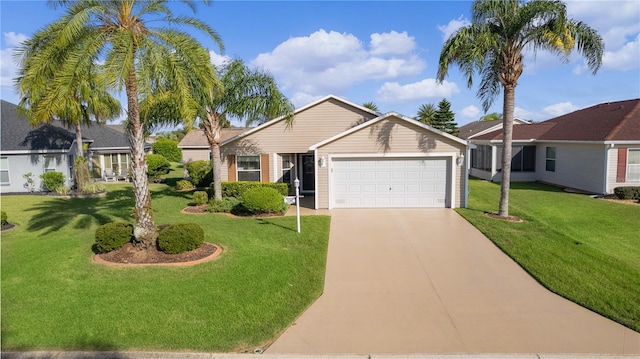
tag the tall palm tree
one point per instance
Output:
(149, 63)
(426, 114)
(493, 45)
(250, 95)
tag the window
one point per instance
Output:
(550, 159)
(119, 163)
(248, 168)
(4, 170)
(49, 163)
(481, 158)
(287, 164)
(523, 158)
(633, 165)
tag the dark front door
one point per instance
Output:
(308, 174)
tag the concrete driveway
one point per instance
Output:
(426, 281)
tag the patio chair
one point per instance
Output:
(109, 176)
(124, 175)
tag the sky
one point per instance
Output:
(383, 52)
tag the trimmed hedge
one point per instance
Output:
(200, 197)
(259, 200)
(112, 236)
(3, 218)
(237, 189)
(168, 148)
(180, 238)
(201, 173)
(628, 192)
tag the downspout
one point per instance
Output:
(466, 176)
(606, 167)
(315, 179)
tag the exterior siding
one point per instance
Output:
(612, 168)
(191, 154)
(34, 163)
(580, 166)
(391, 136)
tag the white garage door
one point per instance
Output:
(401, 182)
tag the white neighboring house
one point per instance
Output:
(594, 149)
(25, 149)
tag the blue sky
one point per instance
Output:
(385, 52)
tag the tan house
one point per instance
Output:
(348, 156)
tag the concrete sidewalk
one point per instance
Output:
(426, 281)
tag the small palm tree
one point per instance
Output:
(149, 63)
(426, 114)
(371, 106)
(493, 46)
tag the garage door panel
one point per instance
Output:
(406, 182)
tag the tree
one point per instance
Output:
(371, 106)
(444, 119)
(426, 114)
(491, 117)
(250, 95)
(493, 45)
(149, 63)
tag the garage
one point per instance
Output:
(390, 182)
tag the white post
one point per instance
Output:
(296, 184)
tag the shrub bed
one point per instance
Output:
(260, 200)
(200, 197)
(225, 205)
(237, 189)
(180, 238)
(628, 192)
(112, 236)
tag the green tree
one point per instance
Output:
(493, 45)
(167, 148)
(249, 95)
(426, 114)
(444, 119)
(371, 106)
(143, 51)
(491, 117)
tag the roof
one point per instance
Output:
(18, 135)
(197, 138)
(479, 127)
(610, 121)
(297, 111)
(381, 118)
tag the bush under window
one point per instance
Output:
(628, 192)
(262, 200)
(52, 181)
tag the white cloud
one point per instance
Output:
(8, 68)
(218, 60)
(521, 113)
(393, 92)
(559, 109)
(469, 112)
(392, 43)
(12, 39)
(625, 58)
(453, 26)
(330, 62)
(615, 21)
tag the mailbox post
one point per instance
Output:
(296, 184)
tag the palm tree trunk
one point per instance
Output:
(507, 136)
(144, 231)
(213, 132)
(79, 140)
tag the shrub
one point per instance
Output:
(200, 197)
(3, 218)
(167, 148)
(262, 200)
(180, 238)
(201, 173)
(184, 185)
(112, 236)
(52, 181)
(226, 205)
(629, 192)
(93, 188)
(237, 189)
(157, 165)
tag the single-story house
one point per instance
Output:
(51, 147)
(195, 146)
(477, 128)
(348, 156)
(594, 149)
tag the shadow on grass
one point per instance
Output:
(271, 222)
(92, 349)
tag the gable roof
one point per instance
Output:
(610, 121)
(382, 118)
(297, 111)
(477, 128)
(18, 135)
(197, 138)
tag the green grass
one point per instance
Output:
(583, 249)
(55, 297)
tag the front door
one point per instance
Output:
(308, 173)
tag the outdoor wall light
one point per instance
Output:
(460, 160)
(322, 162)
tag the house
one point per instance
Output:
(594, 149)
(478, 128)
(346, 156)
(51, 147)
(195, 146)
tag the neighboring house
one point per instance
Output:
(478, 128)
(349, 156)
(594, 149)
(51, 147)
(195, 146)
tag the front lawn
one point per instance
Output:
(55, 297)
(584, 249)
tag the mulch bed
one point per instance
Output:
(129, 255)
(507, 218)
(8, 226)
(195, 209)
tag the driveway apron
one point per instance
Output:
(402, 281)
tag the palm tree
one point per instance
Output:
(491, 117)
(251, 95)
(426, 114)
(371, 106)
(149, 63)
(493, 46)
